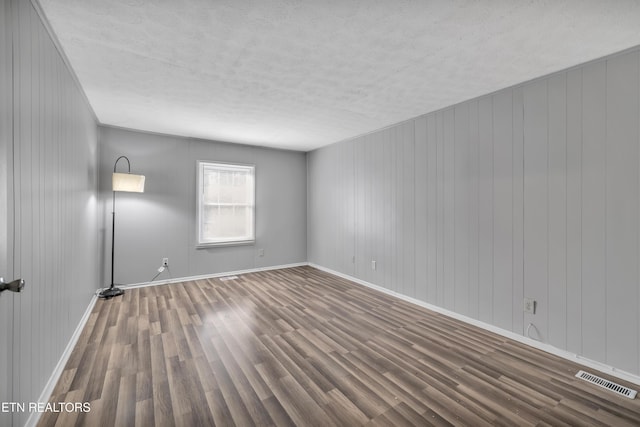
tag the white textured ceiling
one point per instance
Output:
(301, 74)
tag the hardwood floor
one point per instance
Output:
(302, 347)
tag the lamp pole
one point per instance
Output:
(113, 291)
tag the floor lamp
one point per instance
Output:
(120, 182)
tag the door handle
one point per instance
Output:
(15, 286)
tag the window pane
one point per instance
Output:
(226, 222)
(226, 203)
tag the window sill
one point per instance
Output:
(219, 244)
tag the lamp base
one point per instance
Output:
(110, 293)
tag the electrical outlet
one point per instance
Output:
(530, 305)
(373, 265)
(260, 252)
(165, 262)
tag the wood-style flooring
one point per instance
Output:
(302, 347)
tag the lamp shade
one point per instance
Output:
(128, 182)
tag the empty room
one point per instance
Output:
(299, 213)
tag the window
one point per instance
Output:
(226, 204)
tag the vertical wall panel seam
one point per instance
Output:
(469, 203)
(17, 197)
(12, 231)
(438, 225)
(606, 177)
(37, 109)
(581, 207)
(638, 210)
(548, 209)
(369, 144)
(493, 211)
(524, 210)
(522, 163)
(478, 211)
(427, 186)
(443, 175)
(566, 210)
(453, 213)
(356, 208)
(29, 159)
(441, 208)
(513, 200)
(415, 194)
(42, 209)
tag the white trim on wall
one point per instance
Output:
(55, 376)
(210, 276)
(486, 326)
(57, 372)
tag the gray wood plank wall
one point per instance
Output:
(532, 191)
(6, 214)
(56, 250)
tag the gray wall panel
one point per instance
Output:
(536, 248)
(318, 196)
(593, 211)
(408, 200)
(385, 262)
(375, 204)
(361, 243)
(56, 247)
(574, 211)
(622, 211)
(531, 191)
(432, 208)
(6, 205)
(378, 193)
(473, 247)
(557, 210)
(398, 219)
(502, 209)
(448, 209)
(344, 199)
(395, 173)
(440, 285)
(280, 196)
(485, 210)
(420, 265)
(161, 221)
(461, 209)
(518, 209)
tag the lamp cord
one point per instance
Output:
(160, 272)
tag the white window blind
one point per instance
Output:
(226, 203)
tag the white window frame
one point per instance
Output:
(202, 165)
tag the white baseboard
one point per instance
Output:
(55, 376)
(208, 276)
(33, 419)
(635, 379)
